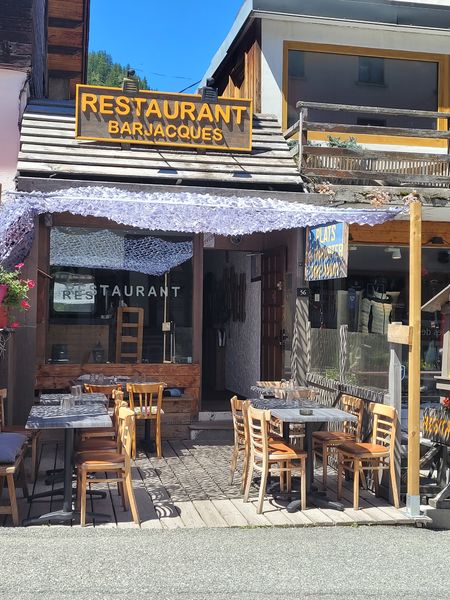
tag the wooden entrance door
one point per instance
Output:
(273, 267)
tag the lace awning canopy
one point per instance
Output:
(177, 211)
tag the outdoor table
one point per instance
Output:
(54, 417)
(289, 412)
(83, 400)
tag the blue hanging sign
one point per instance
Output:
(326, 252)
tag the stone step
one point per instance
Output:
(210, 431)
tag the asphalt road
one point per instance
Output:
(330, 563)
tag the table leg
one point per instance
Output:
(318, 499)
(66, 514)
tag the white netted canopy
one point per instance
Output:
(176, 211)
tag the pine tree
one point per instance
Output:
(103, 71)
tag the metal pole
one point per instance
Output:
(415, 282)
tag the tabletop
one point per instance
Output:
(55, 417)
(319, 415)
(55, 399)
(284, 390)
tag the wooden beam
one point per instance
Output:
(378, 110)
(197, 303)
(415, 303)
(397, 232)
(372, 130)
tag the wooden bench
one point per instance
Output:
(8, 472)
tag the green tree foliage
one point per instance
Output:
(103, 71)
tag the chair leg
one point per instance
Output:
(132, 500)
(124, 494)
(34, 457)
(340, 473)
(282, 466)
(83, 495)
(376, 472)
(2, 481)
(248, 481)
(394, 484)
(133, 445)
(245, 470)
(356, 467)
(303, 485)
(262, 488)
(288, 477)
(324, 465)
(234, 457)
(158, 437)
(13, 499)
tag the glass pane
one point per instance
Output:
(343, 79)
(96, 273)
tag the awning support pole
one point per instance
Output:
(415, 283)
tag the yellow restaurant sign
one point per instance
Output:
(161, 118)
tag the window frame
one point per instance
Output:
(443, 88)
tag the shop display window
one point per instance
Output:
(99, 274)
(374, 294)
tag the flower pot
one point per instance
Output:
(3, 291)
(3, 316)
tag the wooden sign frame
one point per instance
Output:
(108, 114)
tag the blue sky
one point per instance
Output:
(171, 42)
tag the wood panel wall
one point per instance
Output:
(397, 232)
(68, 29)
(60, 377)
(240, 77)
(16, 34)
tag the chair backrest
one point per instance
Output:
(126, 427)
(258, 430)
(146, 396)
(108, 390)
(3, 396)
(384, 428)
(240, 421)
(118, 403)
(354, 406)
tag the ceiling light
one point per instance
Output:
(396, 253)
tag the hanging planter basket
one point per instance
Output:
(4, 316)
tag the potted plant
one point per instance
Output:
(13, 294)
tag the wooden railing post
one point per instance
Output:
(302, 135)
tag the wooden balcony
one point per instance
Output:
(319, 161)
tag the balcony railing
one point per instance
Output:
(363, 165)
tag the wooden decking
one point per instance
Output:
(189, 488)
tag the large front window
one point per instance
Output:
(119, 296)
(362, 81)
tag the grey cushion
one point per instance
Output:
(10, 446)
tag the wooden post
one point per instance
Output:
(415, 282)
(394, 398)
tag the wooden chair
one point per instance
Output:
(241, 439)
(375, 456)
(108, 390)
(146, 401)
(323, 441)
(33, 435)
(272, 455)
(105, 444)
(119, 464)
(8, 472)
(111, 391)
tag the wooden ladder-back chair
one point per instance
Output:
(241, 438)
(268, 454)
(323, 441)
(118, 464)
(8, 472)
(108, 390)
(33, 435)
(376, 456)
(146, 401)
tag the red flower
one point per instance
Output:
(446, 402)
(31, 284)
(15, 325)
(24, 304)
(19, 266)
